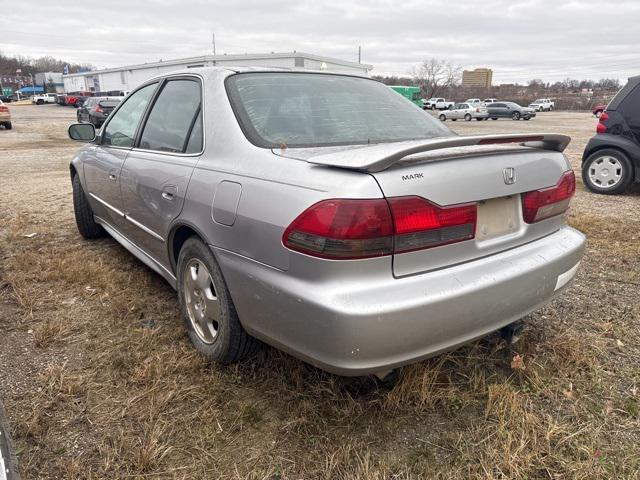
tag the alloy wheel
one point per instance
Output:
(203, 306)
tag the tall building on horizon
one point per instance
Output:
(480, 77)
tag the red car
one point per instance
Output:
(598, 109)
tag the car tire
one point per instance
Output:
(608, 159)
(217, 334)
(83, 212)
(467, 117)
(551, 108)
(494, 118)
(433, 107)
(40, 102)
(8, 125)
(515, 116)
(442, 117)
(7, 455)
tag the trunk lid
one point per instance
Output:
(490, 171)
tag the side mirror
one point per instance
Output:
(82, 132)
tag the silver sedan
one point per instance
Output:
(465, 111)
(325, 215)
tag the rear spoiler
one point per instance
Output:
(375, 158)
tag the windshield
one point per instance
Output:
(540, 100)
(312, 109)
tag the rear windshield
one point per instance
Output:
(312, 110)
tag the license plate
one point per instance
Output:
(498, 217)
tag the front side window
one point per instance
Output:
(121, 129)
(311, 109)
(173, 118)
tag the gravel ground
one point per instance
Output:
(99, 381)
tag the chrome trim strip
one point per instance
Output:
(108, 205)
(144, 228)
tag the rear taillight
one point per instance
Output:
(601, 127)
(350, 229)
(342, 229)
(4, 109)
(421, 224)
(549, 202)
(98, 109)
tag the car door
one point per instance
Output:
(102, 162)
(500, 110)
(157, 171)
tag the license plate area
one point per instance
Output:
(498, 217)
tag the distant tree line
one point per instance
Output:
(28, 65)
(440, 78)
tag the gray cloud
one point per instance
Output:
(520, 40)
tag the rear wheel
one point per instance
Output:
(442, 117)
(607, 171)
(8, 125)
(40, 101)
(87, 225)
(467, 117)
(207, 309)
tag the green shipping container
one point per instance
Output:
(410, 93)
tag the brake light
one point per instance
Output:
(350, 229)
(4, 109)
(549, 202)
(601, 127)
(421, 224)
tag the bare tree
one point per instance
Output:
(434, 75)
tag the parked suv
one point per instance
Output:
(305, 209)
(611, 159)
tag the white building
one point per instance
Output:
(128, 77)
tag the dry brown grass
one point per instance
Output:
(106, 384)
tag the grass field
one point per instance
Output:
(99, 380)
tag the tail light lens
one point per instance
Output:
(601, 127)
(549, 202)
(4, 109)
(351, 229)
(342, 229)
(421, 224)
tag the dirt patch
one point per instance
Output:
(99, 380)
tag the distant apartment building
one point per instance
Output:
(480, 77)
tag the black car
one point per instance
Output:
(509, 110)
(95, 110)
(611, 159)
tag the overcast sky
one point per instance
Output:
(520, 40)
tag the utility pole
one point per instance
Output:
(213, 35)
(359, 54)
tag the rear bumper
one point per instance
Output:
(378, 323)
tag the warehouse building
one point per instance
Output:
(480, 77)
(128, 77)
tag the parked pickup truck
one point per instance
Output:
(437, 104)
(44, 98)
(542, 104)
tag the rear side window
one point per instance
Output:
(309, 109)
(174, 117)
(630, 107)
(121, 129)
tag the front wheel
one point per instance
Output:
(442, 117)
(467, 117)
(516, 115)
(40, 102)
(607, 171)
(85, 222)
(207, 309)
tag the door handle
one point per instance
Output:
(168, 196)
(112, 176)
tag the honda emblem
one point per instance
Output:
(509, 175)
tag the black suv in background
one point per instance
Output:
(95, 110)
(611, 159)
